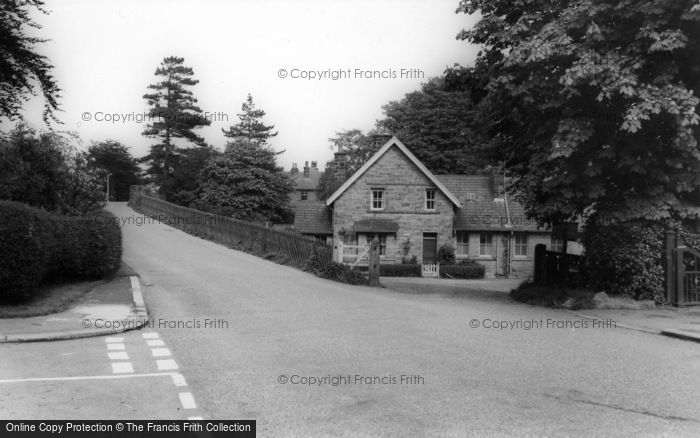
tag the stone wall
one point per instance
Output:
(404, 193)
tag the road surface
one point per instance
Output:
(309, 357)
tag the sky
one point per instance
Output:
(284, 53)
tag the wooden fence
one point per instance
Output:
(555, 267)
(298, 249)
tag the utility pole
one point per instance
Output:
(107, 194)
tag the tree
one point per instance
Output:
(245, 183)
(174, 116)
(353, 148)
(593, 105)
(186, 174)
(116, 163)
(250, 127)
(20, 65)
(46, 171)
(438, 125)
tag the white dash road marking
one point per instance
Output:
(194, 418)
(79, 378)
(122, 367)
(116, 346)
(155, 343)
(179, 379)
(167, 364)
(118, 355)
(111, 339)
(187, 400)
(160, 352)
(150, 335)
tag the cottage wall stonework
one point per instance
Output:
(404, 196)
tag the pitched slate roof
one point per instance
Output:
(394, 142)
(313, 218)
(303, 183)
(479, 211)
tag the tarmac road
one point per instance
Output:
(308, 357)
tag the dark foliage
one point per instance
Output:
(36, 246)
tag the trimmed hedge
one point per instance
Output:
(36, 246)
(462, 271)
(407, 270)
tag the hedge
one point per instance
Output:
(404, 270)
(462, 271)
(36, 246)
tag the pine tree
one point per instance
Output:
(251, 128)
(174, 114)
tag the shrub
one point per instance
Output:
(624, 259)
(343, 273)
(462, 271)
(446, 254)
(407, 270)
(36, 245)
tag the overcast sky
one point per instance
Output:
(105, 55)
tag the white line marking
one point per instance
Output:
(136, 291)
(151, 335)
(118, 355)
(115, 347)
(111, 339)
(122, 367)
(74, 378)
(187, 400)
(179, 379)
(194, 418)
(155, 343)
(167, 364)
(160, 352)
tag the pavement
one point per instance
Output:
(676, 322)
(111, 307)
(681, 322)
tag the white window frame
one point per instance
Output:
(304, 195)
(483, 245)
(382, 242)
(430, 199)
(464, 244)
(518, 247)
(380, 200)
(557, 244)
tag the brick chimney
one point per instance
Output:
(306, 169)
(314, 165)
(295, 169)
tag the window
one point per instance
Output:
(462, 244)
(382, 242)
(430, 199)
(377, 199)
(485, 244)
(304, 195)
(557, 244)
(520, 244)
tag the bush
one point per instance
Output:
(462, 271)
(407, 270)
(624, 259)
(342, 273)
(446, 254)
(36, 245)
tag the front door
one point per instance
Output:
(429, 248)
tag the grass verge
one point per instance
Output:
(57, 297)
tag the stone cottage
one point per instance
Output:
(413, 213)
